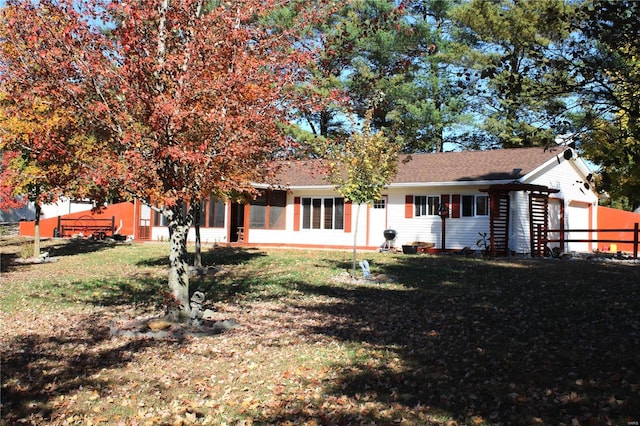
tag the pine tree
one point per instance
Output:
(519, 47)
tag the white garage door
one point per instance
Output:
(577, 218)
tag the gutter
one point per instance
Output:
(400, 185)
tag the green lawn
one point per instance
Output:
(451, 340)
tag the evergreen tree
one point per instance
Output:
(522, 83)
(432, 106)
(404, 51)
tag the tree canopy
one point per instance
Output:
(168, 101)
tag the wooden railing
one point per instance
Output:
(543, 239)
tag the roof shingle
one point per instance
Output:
(461, 166)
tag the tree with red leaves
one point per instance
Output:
(168, 101)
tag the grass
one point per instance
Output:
(451, 340)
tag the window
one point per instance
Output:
(328, 213)
(475, 205)
(258, 213)
(379, 204)
(426, 205)
(467, 205)
(267, 211)
(277, 207)
(160, 220)
(482, 205)
(216, 214)
(323, 213)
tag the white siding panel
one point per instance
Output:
(159, 233)
(210, 235)
(567, 178)
(577, 199)
(460, 232)
(62, 207)
(519, 232)
(425, 229)
(555, 216)
(207, 235)
(465, 232)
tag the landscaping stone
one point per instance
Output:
(160, 328)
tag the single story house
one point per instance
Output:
(513, 194)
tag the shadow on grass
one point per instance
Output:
(234, 281)
(228, 255)
(495, 342)
(15, 248)
(59, 247)
(139, 292)
(216, 287)
(212, 257)
(37, 370)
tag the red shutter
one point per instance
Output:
(296, 213)
(444, 199)
(408, 206)
(347, 216)
(455, 205)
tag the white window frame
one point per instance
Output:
(426, 205)
(311, 205)
(475, 200)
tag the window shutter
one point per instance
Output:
(455, 205)
(408, 206)
(444, 199)
(347, 216)
(296, 213)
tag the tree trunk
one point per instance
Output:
(178, 262)
(355, 240)
(196, 211)
(36, 230)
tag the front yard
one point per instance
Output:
(444, 340)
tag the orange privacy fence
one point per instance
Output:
(617, 230)
(113, 218)
(609, 218)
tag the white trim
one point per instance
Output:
(401, 185)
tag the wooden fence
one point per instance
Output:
(540, 244)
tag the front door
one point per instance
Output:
(237, 231)
(377, 222)
(144, 223)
